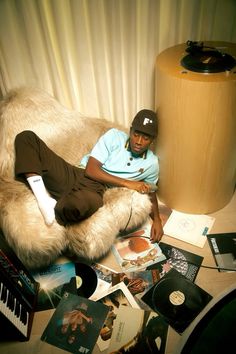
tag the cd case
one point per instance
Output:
(177, 299)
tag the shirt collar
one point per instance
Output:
(127, 147)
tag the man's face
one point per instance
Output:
(139, 142)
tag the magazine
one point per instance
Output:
(187, 263)
(75, 324)
(135, 251)
(117, 296)
(190, 228)
(138, 331)
(223, 248)
(54, 280)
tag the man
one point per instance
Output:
(117, 160)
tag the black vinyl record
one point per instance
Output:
(177, 299)
(208, 62)
(86, 280)
(205, 59)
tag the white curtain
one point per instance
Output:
(98, 56)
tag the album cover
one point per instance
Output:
(134, 251)
(190, 228)
(187, 263)
(137, 282)
(75, 324)
(177, 299)
(138, 331)
(104, 280)
(54, 280)
(223, 248)
(116, 297)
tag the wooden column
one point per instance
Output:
(197, 133)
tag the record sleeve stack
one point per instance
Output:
(152, 296)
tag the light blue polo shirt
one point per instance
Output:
(111, 150)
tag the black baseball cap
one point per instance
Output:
(145, 121)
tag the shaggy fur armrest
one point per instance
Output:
(38, 245)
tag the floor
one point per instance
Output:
(210, 280)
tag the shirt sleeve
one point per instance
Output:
(104, 146)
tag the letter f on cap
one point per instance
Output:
(146, 121)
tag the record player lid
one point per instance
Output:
(204, 59)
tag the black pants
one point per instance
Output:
(78, 196)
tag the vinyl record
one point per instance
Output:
(177, 299)
(86, 280)
(209, 61)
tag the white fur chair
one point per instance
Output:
(70, 135)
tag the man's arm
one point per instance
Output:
(157, 229)
(94, 171)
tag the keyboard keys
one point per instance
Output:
(13, 310)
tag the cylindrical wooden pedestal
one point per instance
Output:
(196, 142)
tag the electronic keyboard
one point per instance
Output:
(18, 295)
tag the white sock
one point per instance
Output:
(45, 202)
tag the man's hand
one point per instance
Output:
(139, 186)
(156, 230)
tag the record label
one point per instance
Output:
(79, 281)
(177, 298)
(86, 280)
